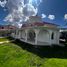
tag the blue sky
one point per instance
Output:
(47, 7)
(55, 7)
(3, 14)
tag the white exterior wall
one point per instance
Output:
(46, 36)
(19, 33)
(23, 34)
(12, 35)
(43, 37)
(56, 36)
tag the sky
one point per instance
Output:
(52, 11)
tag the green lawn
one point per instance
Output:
(23, 55)
(5, 39)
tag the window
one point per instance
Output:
(52, 35)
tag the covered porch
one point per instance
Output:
(35, 36)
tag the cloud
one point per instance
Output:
(3, 3)
(20, 25)
(51, 17)
(19, 11)
(35, 2)
(14, 4)
(29, 10)
(65, 16)
(9, 18)
(43, 16)
(14, 16)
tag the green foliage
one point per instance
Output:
(12, 55)
(3, 39)
(56, 62)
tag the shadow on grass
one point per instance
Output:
(9, 38)
(45, 51)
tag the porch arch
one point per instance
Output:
(31, 35)
(44, 36)
(23, 34)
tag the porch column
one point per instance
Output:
(36, 32)
(17, 33)
(26, 32)
(20, 34)
(50, 32)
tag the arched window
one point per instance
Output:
(31, 35)
(52, 35)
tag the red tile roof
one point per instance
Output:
(6, 27)
(38, 24)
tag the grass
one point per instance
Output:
(14, 56)
(5, 39)
(18, 54)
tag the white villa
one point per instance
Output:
(36, 32)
